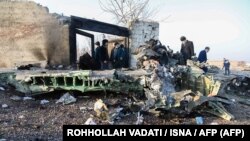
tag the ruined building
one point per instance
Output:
(29, 33)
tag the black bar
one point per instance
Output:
(97, 26)
(214, 133)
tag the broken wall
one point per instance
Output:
(142, 31)
(29, 33)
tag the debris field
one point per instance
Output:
(35, 104)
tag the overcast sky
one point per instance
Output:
(224, 25)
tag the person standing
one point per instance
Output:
(187, 49)
(102, 55)
(226, 66)
(98, 63)
(115, 56)
(119, 56)
(203, 58)
(124, 56)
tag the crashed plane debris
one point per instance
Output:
(101, 110)
(32, 83)
(161, 78)
(66, 99)
(239, 85)
(173, 87)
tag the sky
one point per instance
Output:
(223, 25)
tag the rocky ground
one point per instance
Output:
(29, 120)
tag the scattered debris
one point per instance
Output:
(16, 98)
(176, 88)
(101, 110)
(199, 120)
(161, 85)
(140, 119)
(31, 65)
(27, 98)
(245, 102)
(21, 117)
(60, 67)
(85, 109)
(5, 106)
(44, 102)
(214, 123)
(83, 97)
(213, 69)
(25, 67)
(116, 115)
(90, 121)
(240, 86)
(2, 89)
(86, 62)
(219, 110)
(66, 99)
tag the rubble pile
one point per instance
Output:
(239, 85)
(213, 69)
(173, 87)
(161, 85)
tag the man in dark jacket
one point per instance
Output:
(115, 56)
(102, 55)
(118, 56)
(203, 58)
(187, 49)
(226, 66)
(124, 56)
(98, 45)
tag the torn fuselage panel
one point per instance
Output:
(83, 81)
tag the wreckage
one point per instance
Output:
(239, 85)
(165, 83)
(32, 83)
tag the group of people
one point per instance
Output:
(119, 55)
(187, 51)
(118, 58)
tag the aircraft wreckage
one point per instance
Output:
(166, 86)
(197, 88)
(33, 83)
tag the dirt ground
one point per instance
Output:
(30, 121)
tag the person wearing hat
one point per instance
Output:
(187, 49)
(98, 45)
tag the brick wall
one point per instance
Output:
(29, 33)
(142, 31)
